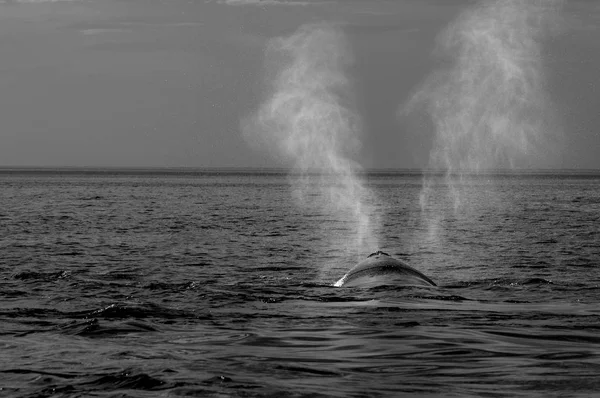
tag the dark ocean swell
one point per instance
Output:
(146, 285)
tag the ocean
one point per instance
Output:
(154, 283)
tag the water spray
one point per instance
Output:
(489, 107)
(307, 120)
(490, 112)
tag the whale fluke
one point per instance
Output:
(381, 269)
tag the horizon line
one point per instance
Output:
(279, 170)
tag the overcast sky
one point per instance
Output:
(152, 83)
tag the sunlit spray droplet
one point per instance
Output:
(489, 107)
(307, 120)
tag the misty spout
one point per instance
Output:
(307, 120)
(489, 107)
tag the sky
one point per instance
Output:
(167, 83)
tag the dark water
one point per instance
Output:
(140, 285)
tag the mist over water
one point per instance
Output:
(308, 120)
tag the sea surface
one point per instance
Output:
(219, 284)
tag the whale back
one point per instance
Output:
(381, 269)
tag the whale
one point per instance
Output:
(382, 269)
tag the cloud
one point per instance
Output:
(99, 31)
(13, 2)
(162, 24)
(265, 2)
(41, 1)
(127, 26)
(375, 28)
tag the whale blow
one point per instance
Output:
(382, 269)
